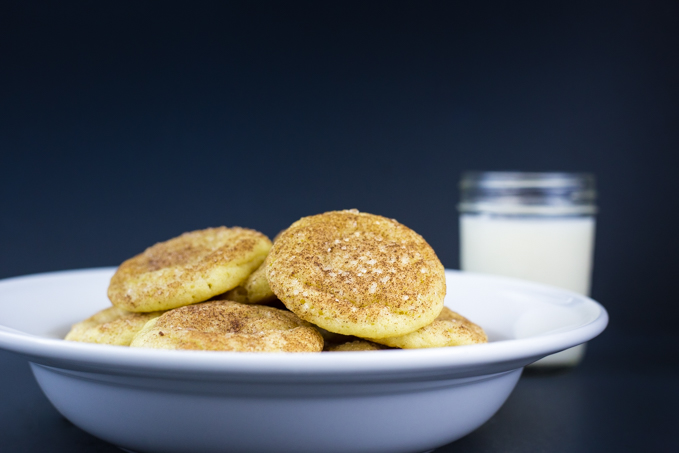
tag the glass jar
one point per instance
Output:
(534, 226)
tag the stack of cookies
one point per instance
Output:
(338, 281)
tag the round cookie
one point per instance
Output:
(254, 290)
(331, 338)
(188, 269)
(356, 345)
(112, 325)
(229, 326)
(357, 274)
(449, 329)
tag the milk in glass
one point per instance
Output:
(534, 226)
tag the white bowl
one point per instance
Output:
(383, 401)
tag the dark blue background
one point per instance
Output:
(127, 123)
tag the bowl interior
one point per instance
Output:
(47, 305)
(524, 321)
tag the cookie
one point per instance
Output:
(188, 269)
(357, 274)
(229, 326)
(254, 290)
(112, 325)
(449, 329)
(355, 345)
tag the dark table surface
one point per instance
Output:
(623, 397)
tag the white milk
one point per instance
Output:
(552, 250)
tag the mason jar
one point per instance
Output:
(533, 226)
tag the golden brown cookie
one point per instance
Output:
(356, 345)
(357, 274)
(112, 325)
(254, 290)
(229, 326)
(449, 329)
(188, 269)
(334, 338)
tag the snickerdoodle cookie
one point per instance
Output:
(188, 269)
(112, 325)
(254, 290)
(357, 274)
(229, 326)
(449, 329)
(353, 346)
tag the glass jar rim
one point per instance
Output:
(517, 179)
(532, 193)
